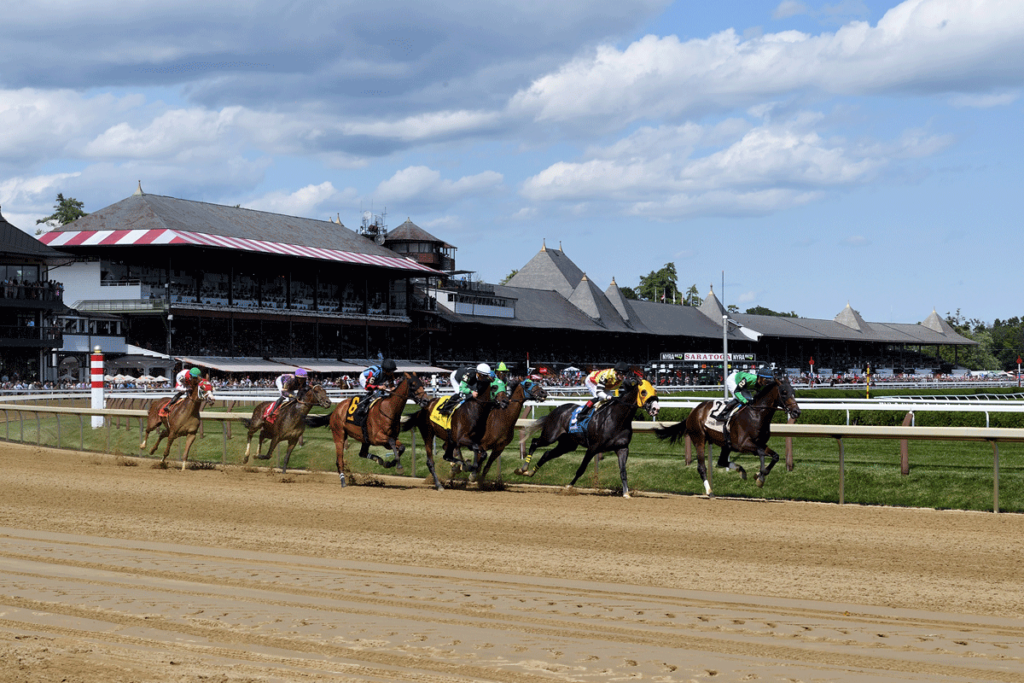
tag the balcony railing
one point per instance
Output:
(27, 333)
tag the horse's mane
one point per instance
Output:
(630, 389)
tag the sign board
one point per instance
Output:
(708, 357)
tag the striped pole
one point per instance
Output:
(96, 367)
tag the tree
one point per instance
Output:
(762, 310)
(657, 284)
(693, 296)
(65, 211)
(733, 308)
(504, 280)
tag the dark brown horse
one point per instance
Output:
(501, 422)
(610, 430)
(383, 422)
(749, 429)
(288, 426)
(182, 420)
(468, 426)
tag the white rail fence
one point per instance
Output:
(906, 433)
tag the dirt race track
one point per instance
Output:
(117, 573)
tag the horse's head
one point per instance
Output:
(502, 399)
(320, 396)
(204, 392)
(647, 397)
(417, 391)
(534, 391)
(787, 396)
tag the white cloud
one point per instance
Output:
(789, 8)
(919, 46)
(425, 126)
(425, 185)
(307, 201)
(985, 101)
(37, 192)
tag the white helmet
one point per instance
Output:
(483, 369)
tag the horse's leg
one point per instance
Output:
(162, 434)
(765, 470)
(427, 435)
(563, 447)
(623, 455)
(587, 457)
(397, 449)
(288, 453)
(188, 447)
(495, 453)
(274, 440)
(702, 470)
(259, 448)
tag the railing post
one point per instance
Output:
(225, 426)
(908, 420)
(81, 432)
(842, 471)
(58, 430)
(995, 476)
(689, 450)
(789, 449)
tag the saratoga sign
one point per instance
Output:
(708, 357)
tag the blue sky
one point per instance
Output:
(819, 154)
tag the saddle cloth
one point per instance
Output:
(436, 416)
(165, 410)
(711, 422)
(577, 426)
(354, 405)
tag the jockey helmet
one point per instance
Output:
(301, 372)
(483, 369)
(766, 372)
(502, 368)
(195, 372)
(388, 366)
(621, 368)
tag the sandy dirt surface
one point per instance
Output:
(111, 572)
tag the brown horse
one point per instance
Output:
(749, 429)
(289, 425)
(469, 423)
(383, 421)
(501, 422)
(610, 430)
(182, 420)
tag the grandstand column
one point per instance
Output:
(96, 368)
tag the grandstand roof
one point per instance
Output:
(592, 301)
(625, 308)
(549, 269)
(16, 242)
(410, 232)
(146, 219)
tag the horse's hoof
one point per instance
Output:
(262, 457)
(626, 495)
(760, 481)
(520, 471)
(710, 495)
(398, 467)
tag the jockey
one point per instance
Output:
(600, 384)
(742, 385)
(290, 385)
(184, 382)
(501, 372)
(479, 380)
(373, 379)
(460, 375)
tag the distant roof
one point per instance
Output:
(592, 301)
(410, 232)
(16, 242)
(154, 219)
(549, 269)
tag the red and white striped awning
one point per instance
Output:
(120, 238)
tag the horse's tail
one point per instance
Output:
(527, 432)
(247, 423)
(317, 420)
(675, 433)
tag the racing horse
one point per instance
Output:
(749, 429)
(468, 427)
(383, 420)
(501, 422)
(610, 430)
(288, 426)
(181, 420)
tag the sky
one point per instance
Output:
(810, 155)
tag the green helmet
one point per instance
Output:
(195, 372)
(502, 368)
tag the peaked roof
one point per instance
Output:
(592, 301)
(16, 242)
(852, 319)
(155, 212)
(936, 324)
(624, 307)
(410, 232)
(712, 307)
(549, 269)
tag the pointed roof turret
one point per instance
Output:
(410, 232)
(138, 191)
(852, 319)
(592, 301)
(549, 269)
(935, 323)
(712, 307)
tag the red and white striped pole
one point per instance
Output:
(96, 367)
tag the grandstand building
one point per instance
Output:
(229, 287)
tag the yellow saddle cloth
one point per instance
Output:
(354, 405)
(443, 421)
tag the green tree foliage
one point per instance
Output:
(629, 293)
(978, 357)
(761, 310)
(504, 280)
(692, 296)
(65, 211)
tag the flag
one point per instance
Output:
(663, 292)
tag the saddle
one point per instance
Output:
(444, 409)
(577, 426)
(270, 414)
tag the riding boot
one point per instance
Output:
(588, 406)
(272, 415)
